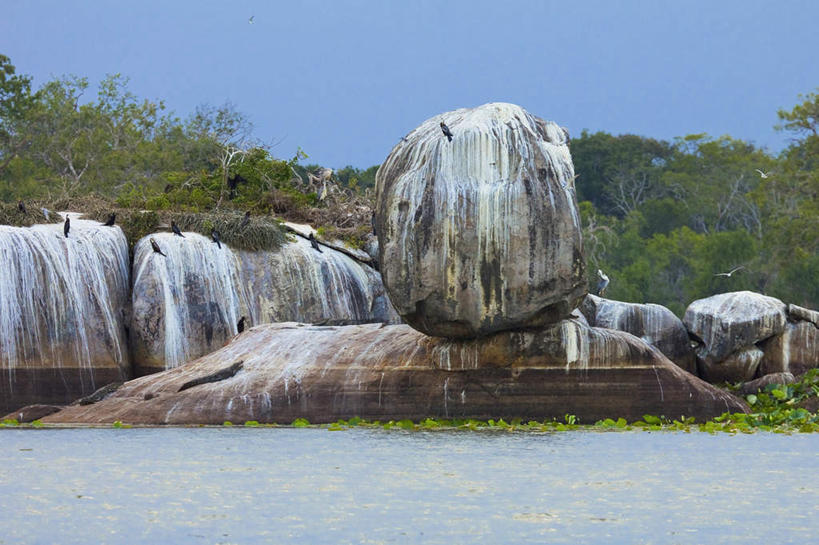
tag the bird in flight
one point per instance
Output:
(250, 21)
(446, 131)
(729, 273)
(762, 174)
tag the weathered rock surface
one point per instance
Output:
(797, 313)
(732, 322)
(30, 413)
(63, 303)
(189, 303)
(291, 370)
(654, 324)
(737, 366)
(480, 234)
(795, 350)
(756, 385)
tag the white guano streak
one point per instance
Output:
(58, 294)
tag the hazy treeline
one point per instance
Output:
(660, 218)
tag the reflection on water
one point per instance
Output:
(237, 485)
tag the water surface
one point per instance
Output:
(240, 485)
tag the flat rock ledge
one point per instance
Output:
(377, 372)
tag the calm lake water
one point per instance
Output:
(237, 485)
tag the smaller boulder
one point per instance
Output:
(30, 413)
(728, 322)
(739, 366)
(796, 313)
(654, 324)
(756, 385)
(795, 350)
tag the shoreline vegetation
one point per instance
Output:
(777, 408)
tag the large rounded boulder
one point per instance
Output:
(481, 233)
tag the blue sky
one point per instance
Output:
(345, 79)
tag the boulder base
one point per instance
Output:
(376, 372)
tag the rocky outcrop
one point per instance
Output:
(189, 303)
(62, 311)
(654, 324)
(480, 234)
(280, 372)
(795, 350)
(732, 323)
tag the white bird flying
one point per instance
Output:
(250, 21)
(762, 174)
(729, 273)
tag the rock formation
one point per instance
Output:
(279, 372)
(480, 234)
(62, 311)
(189, 303)
(796, 349)
(731, 324)
(654, 324)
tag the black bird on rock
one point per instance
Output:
(67, 226)
(240, 326)
(155, 246)
(175, 229)
(447, 132)
(21, 207)
(246, 220)
(215, 236)
(314, 243)
(111, 220)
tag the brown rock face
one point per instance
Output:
(380, 372)
(63, 304)
(654, 324)
(480, 234)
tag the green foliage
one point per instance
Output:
(300, 423)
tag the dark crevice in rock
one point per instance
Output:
(214, 377)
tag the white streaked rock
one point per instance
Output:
(480, 234)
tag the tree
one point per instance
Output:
(16, 103)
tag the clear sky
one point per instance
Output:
(345, 79)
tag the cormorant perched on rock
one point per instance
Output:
(175, 229)
(155, 246)
(314, 243)
(240, 326)
(603, 284)
(447, 132)
(246, 220)
(215, 236)
(67, 226)
(111, 219)
(21, 207)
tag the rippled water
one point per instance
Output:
(238, 485)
